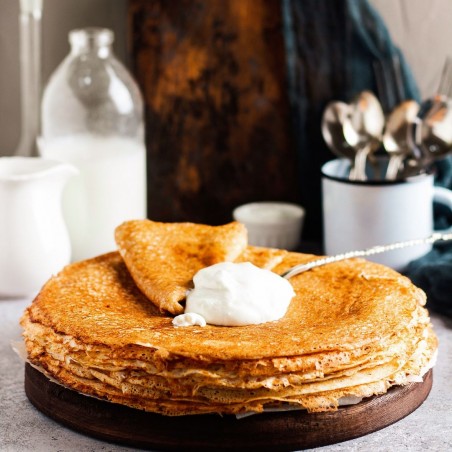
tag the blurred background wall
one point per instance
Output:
(421, 28)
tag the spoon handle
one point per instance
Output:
(436, 236)
(394, 165)
(358, 172)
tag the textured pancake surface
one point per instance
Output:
(354, 328)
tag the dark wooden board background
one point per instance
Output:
(214, 79)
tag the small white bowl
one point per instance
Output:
(272, 224)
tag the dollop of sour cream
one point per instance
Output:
(189, 319)
(232, 294)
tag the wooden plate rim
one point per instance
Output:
(283, 431)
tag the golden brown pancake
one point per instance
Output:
(163, 257)
(354, 328)
(338, 306)
(267, 258)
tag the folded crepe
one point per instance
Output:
(163, 257)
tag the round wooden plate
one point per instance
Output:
(283, 431)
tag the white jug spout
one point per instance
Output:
(59, 171)
(23, 169)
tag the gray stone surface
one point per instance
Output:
(24, 429)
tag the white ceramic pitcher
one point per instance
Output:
(34, 242)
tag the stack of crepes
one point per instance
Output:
(103, 327)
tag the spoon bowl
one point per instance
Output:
(397, 139)
(436, 130)
(363, 130)
(332, 126)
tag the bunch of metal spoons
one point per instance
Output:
(412, 136)
(354, 131)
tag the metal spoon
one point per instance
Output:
(297, 269)
(436, 130)
(363, 130)
(334, 116)
(396, 138)
(432, 133)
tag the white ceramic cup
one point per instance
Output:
(272, 224)
(358, 215)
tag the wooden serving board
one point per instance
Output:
(283, 431)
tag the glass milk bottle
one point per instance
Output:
(92, 117)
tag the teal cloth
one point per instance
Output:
(433, 272)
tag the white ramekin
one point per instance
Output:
(272, 224)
